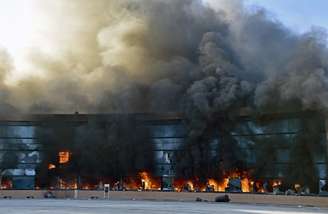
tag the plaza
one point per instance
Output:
(135, 207)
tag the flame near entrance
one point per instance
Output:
(144, 181)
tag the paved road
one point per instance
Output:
(140, 207)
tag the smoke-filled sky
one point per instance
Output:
(300, 15)
(154, 56)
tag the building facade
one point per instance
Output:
(268, 138)
(19, 153)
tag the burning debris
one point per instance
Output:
(144, 181)
(231, 182)
(148, 183)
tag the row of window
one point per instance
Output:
(17, 131)
(170, 137)
(22, 156)
(282, 126)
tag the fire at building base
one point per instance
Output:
(277, 153)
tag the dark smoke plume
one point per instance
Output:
(125, 56)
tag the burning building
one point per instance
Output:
(264, 151)
(205, 59)
(154, 152)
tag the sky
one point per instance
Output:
(299, 15)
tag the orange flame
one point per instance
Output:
(144, 182)
(51, 166)
(218, 186)
(276, 183)
(245, 185)
(64, 157)
(190, 186)
(67, 185)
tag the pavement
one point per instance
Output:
(46, 206)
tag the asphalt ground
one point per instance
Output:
(31, 206)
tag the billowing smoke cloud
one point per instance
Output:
(163, 55)
(5, 68)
